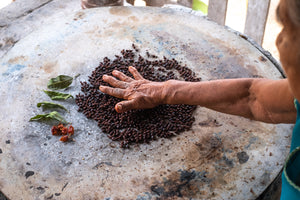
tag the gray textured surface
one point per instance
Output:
(186, 166)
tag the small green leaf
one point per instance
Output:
(57, 95)
(48, 116)
(77, 75)
(48, 105)
(55, 115)
(38, 117)
(60, 82)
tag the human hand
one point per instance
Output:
(138, 92)
(85, 4)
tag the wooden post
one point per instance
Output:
(187, 3)
(217, 10)
(256, 19)
(157, 3)
(130, 1)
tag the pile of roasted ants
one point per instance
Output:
(64, 131)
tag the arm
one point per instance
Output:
(259, 99)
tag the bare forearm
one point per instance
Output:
(259, 99)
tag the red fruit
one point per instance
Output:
(64, 138)
(60, 126)
(64, 130)
(71, 130)
(54, 130)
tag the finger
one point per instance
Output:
(122, 76)
(116, 92)
(114, 82)
(83, 5)
(135, 73)
(124, 106)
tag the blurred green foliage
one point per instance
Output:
(200, 5)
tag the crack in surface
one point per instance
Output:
(7, 46)
(12, 19)
(33, 9)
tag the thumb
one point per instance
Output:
(124, 106)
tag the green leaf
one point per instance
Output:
(38, 117)
(77, 75)
(49, 116)
(60, 82)
(55, 115)
(57, 95)
(48, 105)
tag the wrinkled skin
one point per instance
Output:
(288, 44)
(264, 100)
(139, 92)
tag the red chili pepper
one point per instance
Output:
(71, 130)
(54, 130)
(64, 131)
(64, 138)
(60, 126)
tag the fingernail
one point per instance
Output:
(119, 107)
(114, 72)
